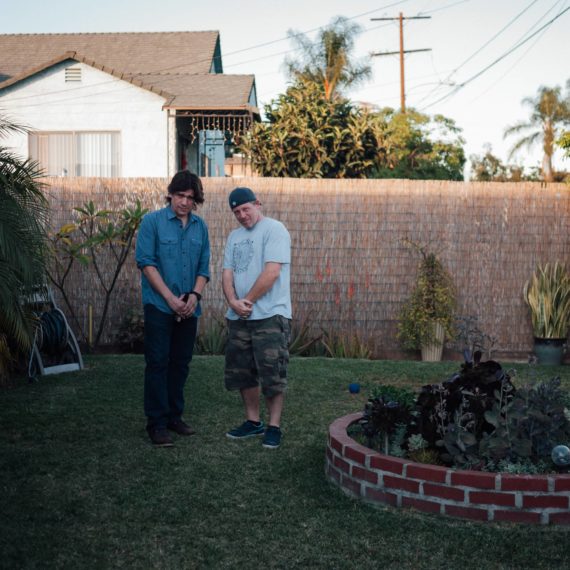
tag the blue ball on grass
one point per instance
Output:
(354, 387)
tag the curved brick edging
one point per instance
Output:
(382, 479)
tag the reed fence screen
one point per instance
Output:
(350, 271)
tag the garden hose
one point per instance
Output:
(53, 336)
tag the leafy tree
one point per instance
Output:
(23, 221)
(100, 239)
(328, 61)
(308, 136)
(489, 168)
(550, 112)
(420, 147)
(564, 143)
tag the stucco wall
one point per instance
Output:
(100, 102)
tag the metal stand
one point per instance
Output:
(55, 348)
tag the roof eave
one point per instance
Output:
(248, 108)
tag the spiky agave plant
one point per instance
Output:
(547, 293)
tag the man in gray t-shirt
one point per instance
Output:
(256, 284)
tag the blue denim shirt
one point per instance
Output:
(179, 253)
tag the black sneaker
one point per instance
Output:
(160, 437)
(180, 427)
(271, 438)
(247, 429)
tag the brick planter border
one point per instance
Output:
(382, 479)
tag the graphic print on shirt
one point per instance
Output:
(242, 255)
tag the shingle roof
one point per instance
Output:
(174, 64)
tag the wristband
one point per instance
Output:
(197, 295)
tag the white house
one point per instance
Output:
(123, 104)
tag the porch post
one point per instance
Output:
(172, 165)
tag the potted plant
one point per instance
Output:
(547, 293)
(428, 315)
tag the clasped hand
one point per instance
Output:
(184, 309)
(243, 308)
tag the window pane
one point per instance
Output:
(77, 154)
(97, 154)
(54, 152)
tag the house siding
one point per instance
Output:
(100, 102)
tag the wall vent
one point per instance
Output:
(72, 74)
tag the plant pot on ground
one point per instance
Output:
(427, 317)
(547, 293)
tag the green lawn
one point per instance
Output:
(83, 488)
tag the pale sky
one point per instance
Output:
(465, 37)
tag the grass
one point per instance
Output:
(81, 487)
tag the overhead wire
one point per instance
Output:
(495, 62)
(481, 48)
(505, 73)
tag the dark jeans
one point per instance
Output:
(168, 347)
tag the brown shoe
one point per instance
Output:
(160, 437)
(180, 427)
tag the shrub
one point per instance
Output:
(345, 345)
(476, 419)
(130, 336)
(213, 337)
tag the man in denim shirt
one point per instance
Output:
(173, 254)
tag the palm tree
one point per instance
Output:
(328, 60)
(549, 113)
(23, 221)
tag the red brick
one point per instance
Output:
(350, 484)
(426, 472)
(517, 516)
(559, 518)
(340, 425)
(333, 473)
(421, 505)
(386, 463)
(444, 492)
(336, 444)
(487, 498)
(466, 512)
(524, 483)
(364, 474)
(473, 479)
(342, 464)
(562, 483)
(400, 483)
(381, 497)
(357, 453)
(545, 502)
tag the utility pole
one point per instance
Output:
(401, 18)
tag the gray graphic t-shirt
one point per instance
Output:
(247, 251)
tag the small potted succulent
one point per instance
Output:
(428, 315)
(547, 293)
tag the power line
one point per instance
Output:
(480, 49)
(503, 75)
(492, 64)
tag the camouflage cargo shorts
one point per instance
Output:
(257, 353)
